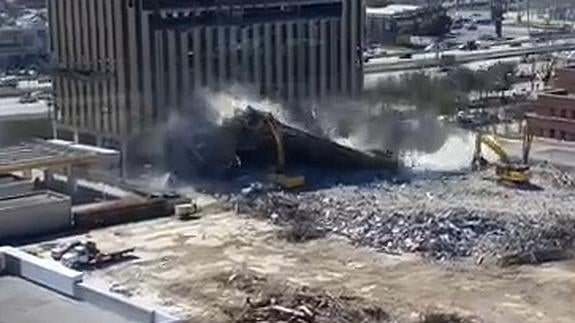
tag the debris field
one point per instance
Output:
(445, 218)
(267, 302)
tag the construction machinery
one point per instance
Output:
(85, 255)
(278, 176)
(506, 170)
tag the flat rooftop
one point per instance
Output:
(392, 9)
(40, 154)
(33, 198)
(24, 302)
(7, 179)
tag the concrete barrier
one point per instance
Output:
(113, 303)
(43, 272)
(121, 305)
(68, 282)
(165, 318)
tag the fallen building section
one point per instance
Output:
(258, 142)
(255, 140)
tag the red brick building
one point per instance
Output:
(554, 115)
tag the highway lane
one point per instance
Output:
(462, 57)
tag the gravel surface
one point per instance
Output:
(447, 217)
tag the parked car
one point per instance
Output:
(27, 98)
(472, 27)
(488, 37)
(470, 45)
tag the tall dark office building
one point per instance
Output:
(123, 64)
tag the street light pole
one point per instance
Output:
(528, 17)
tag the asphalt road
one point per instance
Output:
(427, 60)
(11, 109)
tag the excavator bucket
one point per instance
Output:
(287, 182)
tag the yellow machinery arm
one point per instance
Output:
(527, 141)
(279, 176)
(492, 143)
(278, 138)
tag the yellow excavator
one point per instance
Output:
(279, 176)
(506, 170)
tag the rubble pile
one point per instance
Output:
(445, 219)
(271, 301)
(305, 306)
(556, 176)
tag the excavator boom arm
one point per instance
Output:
(492, 143)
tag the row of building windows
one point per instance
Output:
(557, 134)
(562, 113)
(244, 58)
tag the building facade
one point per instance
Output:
(24, 41)
(30, 4)
(554, 115)
(123, 65)
(22, 46)
(394, 24)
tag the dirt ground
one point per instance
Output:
(182, 266)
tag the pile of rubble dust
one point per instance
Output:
(450, 218)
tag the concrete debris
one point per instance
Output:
(275, 302)
(463, 219)
(533, 257)
(310, 307)
(556, 176)
(440, 317)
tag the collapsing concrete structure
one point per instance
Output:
(255, 140)
(300, 147)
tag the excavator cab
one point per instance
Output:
(515, 174)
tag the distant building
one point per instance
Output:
(30, 4)
(396, 23)
(24, 41)
(124, 64)
(554, 115)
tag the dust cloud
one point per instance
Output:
(193, 135)
(454, 155)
